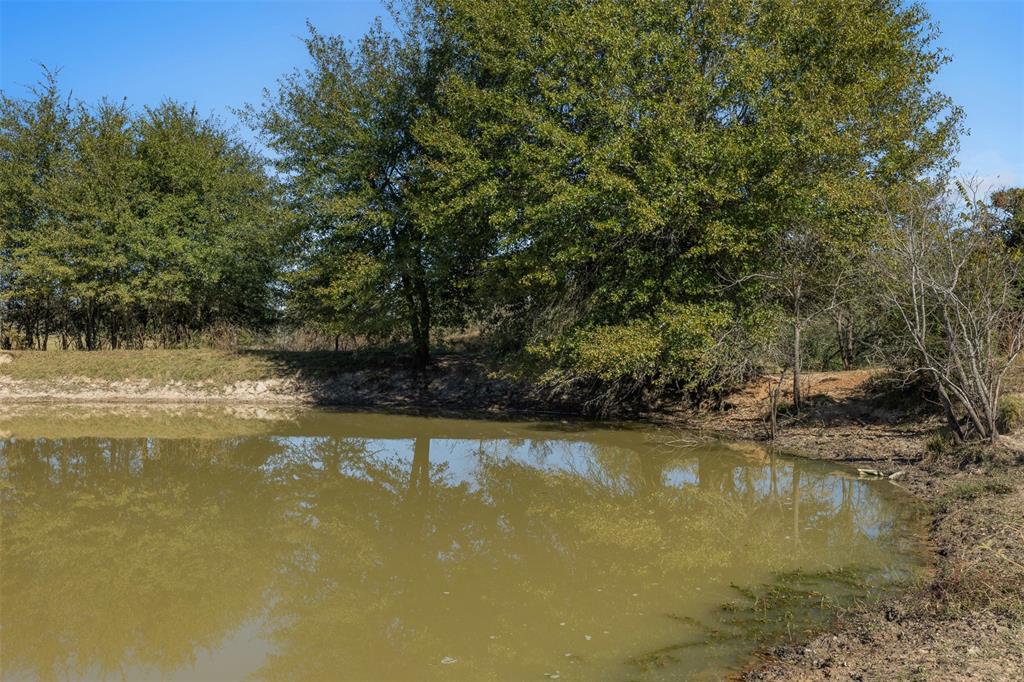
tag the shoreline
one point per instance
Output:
(966, 621)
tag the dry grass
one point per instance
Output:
(190, 365)
(157, 365)
(983, 526)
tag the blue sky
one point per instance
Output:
(219, 55)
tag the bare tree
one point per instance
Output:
(810, 277)
(809, 280)
(954, 286)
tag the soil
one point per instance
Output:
(452, 382)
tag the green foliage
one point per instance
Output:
(118, 227)
(1010, 203)
(1011, 413)
(636, 197)
(685, 347)
(369, 258)
(633, 157)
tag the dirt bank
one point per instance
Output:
(967, 620)
(452, 382)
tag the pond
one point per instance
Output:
(226, 544)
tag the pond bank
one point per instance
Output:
(452, 382)
(965, 622)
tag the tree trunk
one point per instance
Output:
(796, 367)
(418, 313)
(797, 292)
(844, 339)
(419, 475)
(851, 356)
(796, 501)
(422, 344)
(947, 409)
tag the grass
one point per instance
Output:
(191, 365)
(968, 491)
(982, 530)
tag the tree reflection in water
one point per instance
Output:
(371, 546)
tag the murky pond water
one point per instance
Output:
(311, 545)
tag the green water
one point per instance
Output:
(212, 544)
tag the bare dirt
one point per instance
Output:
(451, 382)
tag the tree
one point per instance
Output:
(632, 157)
(118, 227)
(954, 287)
(1009, 202)
(209, 234)
(35, 140)
(368, 256)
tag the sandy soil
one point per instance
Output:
(450, 383)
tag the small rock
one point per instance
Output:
(448, 660)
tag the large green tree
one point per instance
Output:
(368, 258)
(35, 140)
(638, 160)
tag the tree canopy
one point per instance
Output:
(632, 158)
(117, 226)
(628, 197)
(367, 256)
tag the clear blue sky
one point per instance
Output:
(219, 55)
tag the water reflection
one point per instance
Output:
(363, 546)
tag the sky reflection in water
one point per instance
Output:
(309, 544)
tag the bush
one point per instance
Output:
(1011, 413)
(684, 349)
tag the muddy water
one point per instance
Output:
(212, 545)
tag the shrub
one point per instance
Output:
(683, 348)
(1011, 413)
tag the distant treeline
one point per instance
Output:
(120, 228)
(631, 197)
